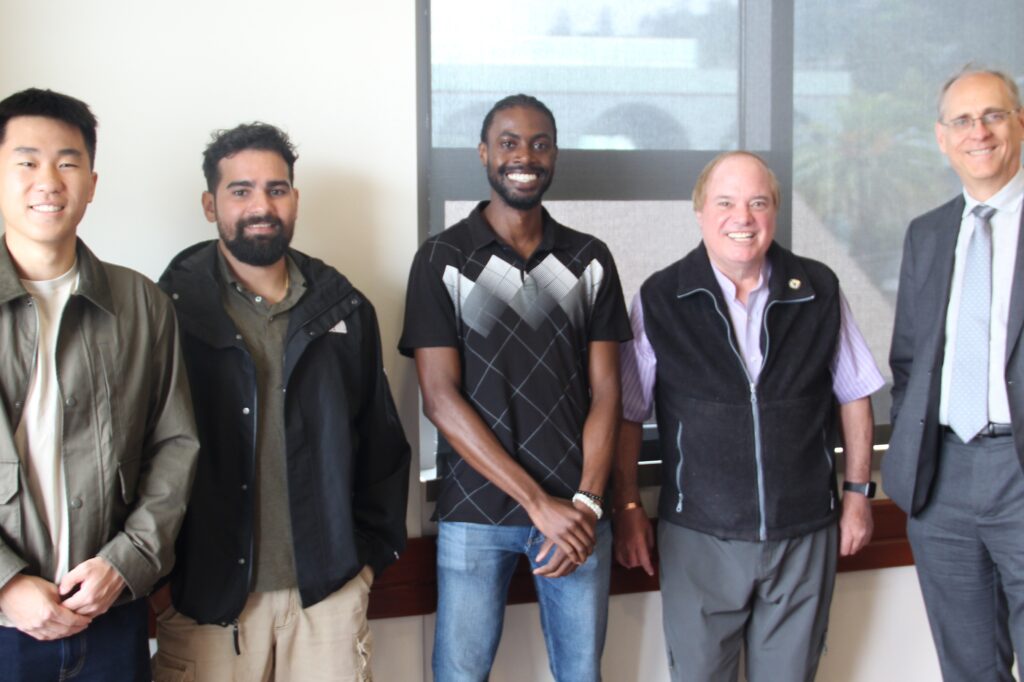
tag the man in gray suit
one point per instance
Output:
(957, 450)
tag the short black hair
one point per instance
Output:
(50, 104)
(513, 101)
(256, 135)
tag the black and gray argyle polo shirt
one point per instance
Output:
(522, 330)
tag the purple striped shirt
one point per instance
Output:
(854, 373)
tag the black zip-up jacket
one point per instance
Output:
(347, 457)
(741, 460)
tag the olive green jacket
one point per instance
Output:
(129, 436)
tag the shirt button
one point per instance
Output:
(29, 303)
(238, 337)
(70, 402)
(241, 560)
(175, 296)
(259, 299)
(76, 503)
(245, 486)
(18, 405)
(245, 410)
(354, 301)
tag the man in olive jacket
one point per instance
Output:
(97, 441)
(300, 495)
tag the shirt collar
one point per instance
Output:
(296, 281)
(1006, 200)
(729, 289)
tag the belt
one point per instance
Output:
(990, 430)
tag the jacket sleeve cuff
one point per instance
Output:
(132, 566)
(381, 556)
(10, 564)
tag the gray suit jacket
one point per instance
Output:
(918, 342)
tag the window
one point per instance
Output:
(839, 98)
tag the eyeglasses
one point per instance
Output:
(962, 124)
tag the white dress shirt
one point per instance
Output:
(1005, 232)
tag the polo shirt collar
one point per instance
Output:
(553, 234)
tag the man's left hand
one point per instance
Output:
(98, 584)
(855, 525)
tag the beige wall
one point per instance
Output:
(340, 78)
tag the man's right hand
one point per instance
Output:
(572, 530)
(634, 539)
(33, 605)
(160, 600)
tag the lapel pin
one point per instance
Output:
(794, 284)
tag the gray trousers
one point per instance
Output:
(719, 595)
(968, 545)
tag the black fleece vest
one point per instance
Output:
(741, 461)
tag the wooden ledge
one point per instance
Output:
(409, 586)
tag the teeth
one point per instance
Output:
(522, 177)
(978, 152)
(47, 208)
(740, 236)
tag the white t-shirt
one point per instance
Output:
(38, 436)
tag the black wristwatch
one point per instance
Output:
(865, 489)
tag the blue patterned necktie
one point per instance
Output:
(968, 400)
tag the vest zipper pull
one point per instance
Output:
(234, 634)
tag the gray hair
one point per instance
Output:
(970, 69)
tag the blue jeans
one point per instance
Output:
(114, 648)
(475, 563)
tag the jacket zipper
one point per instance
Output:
(762, 531)
(758, 453)
(831, 467)
(754, 410)
(679, 468)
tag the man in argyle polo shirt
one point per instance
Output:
(514, 321)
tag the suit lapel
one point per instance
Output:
(1016, 318)
(938, 280)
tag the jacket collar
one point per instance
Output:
(190, 279)
(788, 280)
(92, 278)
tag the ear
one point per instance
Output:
(210, 207)
(92, 190)
(940, 136)
(482, 150)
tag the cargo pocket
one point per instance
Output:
(167, 668)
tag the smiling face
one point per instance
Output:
(986, 157)
(46, 183)
(254, 206)
(737, 221)
(519, 156)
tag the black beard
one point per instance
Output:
(258, 251)
(519, 203)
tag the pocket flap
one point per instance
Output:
(10, 475)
